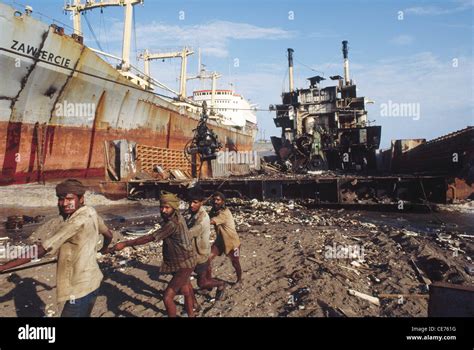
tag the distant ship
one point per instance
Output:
(231, 108)
(60, 100)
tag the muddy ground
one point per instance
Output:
(296, 262)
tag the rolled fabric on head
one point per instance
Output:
(169, 198)
(70, 186)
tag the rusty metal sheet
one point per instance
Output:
(451, 155)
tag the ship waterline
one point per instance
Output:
(78, 152)
(43, 73)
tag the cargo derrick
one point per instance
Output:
(324, 128)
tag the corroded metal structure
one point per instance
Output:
(59, 102)
(325, 127)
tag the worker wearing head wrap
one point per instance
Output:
(70, 186)
(170, 199)
(179, 257)
(74, 236)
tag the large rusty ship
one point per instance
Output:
(60, 100)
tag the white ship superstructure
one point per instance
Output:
(232, 108)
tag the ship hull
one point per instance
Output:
(451, 155)
(59, 102)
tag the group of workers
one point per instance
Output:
(74, 236)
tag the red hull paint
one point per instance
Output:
(78, 152)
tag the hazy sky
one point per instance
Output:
(417, 53)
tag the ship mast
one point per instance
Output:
(202, 75)
(213, 76)
(147, 57)
(77, 7)
(76, 16)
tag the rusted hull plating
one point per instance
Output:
(450, 155)
(59, 101)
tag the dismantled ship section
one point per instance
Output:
(327, 154)
(450, 156)
(324, 128)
